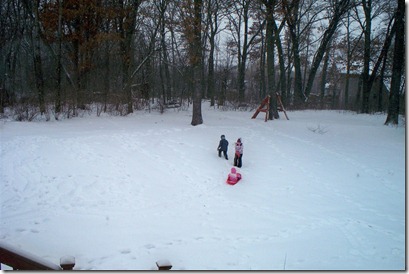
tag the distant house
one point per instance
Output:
(335, 94)
(378, 97)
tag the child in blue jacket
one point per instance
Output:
(223, 144)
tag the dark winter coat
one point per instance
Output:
(223, 145)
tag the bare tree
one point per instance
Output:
(282, 87)
(127, 24)
(192, 28)
(271, 36)
(82, 52)
(164, 67)
(398, 65)
(213, 18)
(371, 9)
(14, 23)
(329, 14)
(336, 13)
(59, 65)
(292, 17)
(33, 9)
(348, 60)
(243, 36)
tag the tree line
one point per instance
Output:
(63, 57)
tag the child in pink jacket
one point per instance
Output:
(238, 155)
(233, 177)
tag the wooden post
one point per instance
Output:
(22, 260)
(281, 106)
(264, 107)
(67, 262)
(163, 265)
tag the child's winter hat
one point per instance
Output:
(233, 170)
(222, 136)
(239, 140)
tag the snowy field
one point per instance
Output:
(322, 191)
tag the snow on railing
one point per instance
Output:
(22, 260)
(163, 265)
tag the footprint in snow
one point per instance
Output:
(125, 251)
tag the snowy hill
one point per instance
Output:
(322, 191)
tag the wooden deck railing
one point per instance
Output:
(21, 260)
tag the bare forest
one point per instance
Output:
(64, 58)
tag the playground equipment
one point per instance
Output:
(265, 107)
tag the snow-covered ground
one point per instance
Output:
(322, 191)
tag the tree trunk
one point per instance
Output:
(127, 28)
(38, 69)
(210, 79)
(287, 95)
(107, 76)
(324, 78)
(166, 72)
(299, 97)
(367, 5)
(273, 112)
(292, 18)
(381, 106)
(398, 64)
(241, 78)
(213, 12)
(340, 9)
(382, 60)
(283, 81)
(59, 65)
(196, 62)
(262, 89)
(242, 56)
(348, 66)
